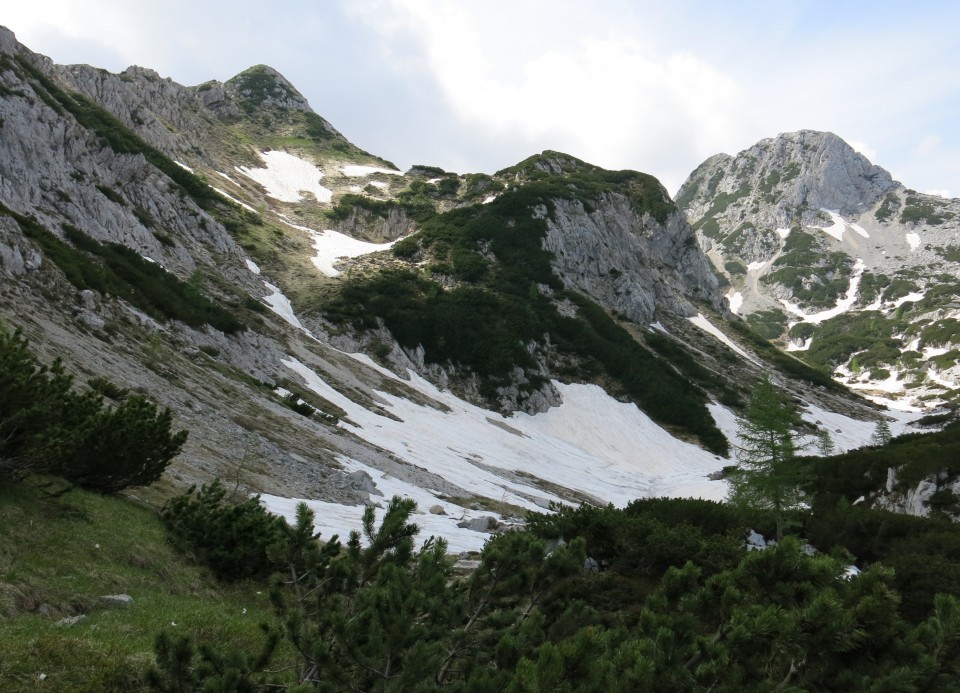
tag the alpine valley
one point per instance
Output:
(330, 328)
(551, 414)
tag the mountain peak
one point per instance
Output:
(261, 87)
(547, 162)
(787, 175)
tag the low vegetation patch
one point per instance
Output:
(114, 269)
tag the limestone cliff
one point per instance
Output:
(846, 266)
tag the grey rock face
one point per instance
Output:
(486, 524)
(364, 224)
(628, 262)
(58, 171)
(70, 621)
(775, 179)
(789, 219)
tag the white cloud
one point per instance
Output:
(604, 97)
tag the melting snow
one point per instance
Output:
(843, 305)
(847, 433)
(913, 296)
(280, 305)
(930, 352)
(252, 266)
(286, 177)
(234, 200)
(936, 378)
(659, 326)
(735, 300)
(754, 266)
(183, 166)
(489, 199)
(356, 171)
(914, 240)
(783, 233)
(706, 326)
(838, 226)
(505, 459)
(332, 246)
(802, 347)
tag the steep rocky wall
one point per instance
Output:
(628, 262)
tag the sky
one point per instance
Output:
(478, 86)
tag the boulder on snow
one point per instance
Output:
(479, 524)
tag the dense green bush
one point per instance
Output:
(670, 605)
(229, 538)
(47, 426)
(915, 210)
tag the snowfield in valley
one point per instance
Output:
(590, 448)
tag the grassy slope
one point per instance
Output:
(49, 556)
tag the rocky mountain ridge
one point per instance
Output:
(221, 247)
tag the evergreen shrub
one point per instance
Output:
(229, 538)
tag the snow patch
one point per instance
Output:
(757, 265)
(286, 177)
(838, 225)
(252, 266)
(332, 246)
(934, 376)
(843, 305)
(280, 305)
(913, 239)
(783, 233)
(708, 327)
(221, 173)
(735, 301)
(234, 200)
(489, 199)
(913, 296)
(521, 459)
(848, 433)
(183, 166)
(792, 346)
(506, 458)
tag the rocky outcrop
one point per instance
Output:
(775, 180)
(374, 227)
(629, 262)
(59, 171)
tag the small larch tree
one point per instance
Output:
(767, 475)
